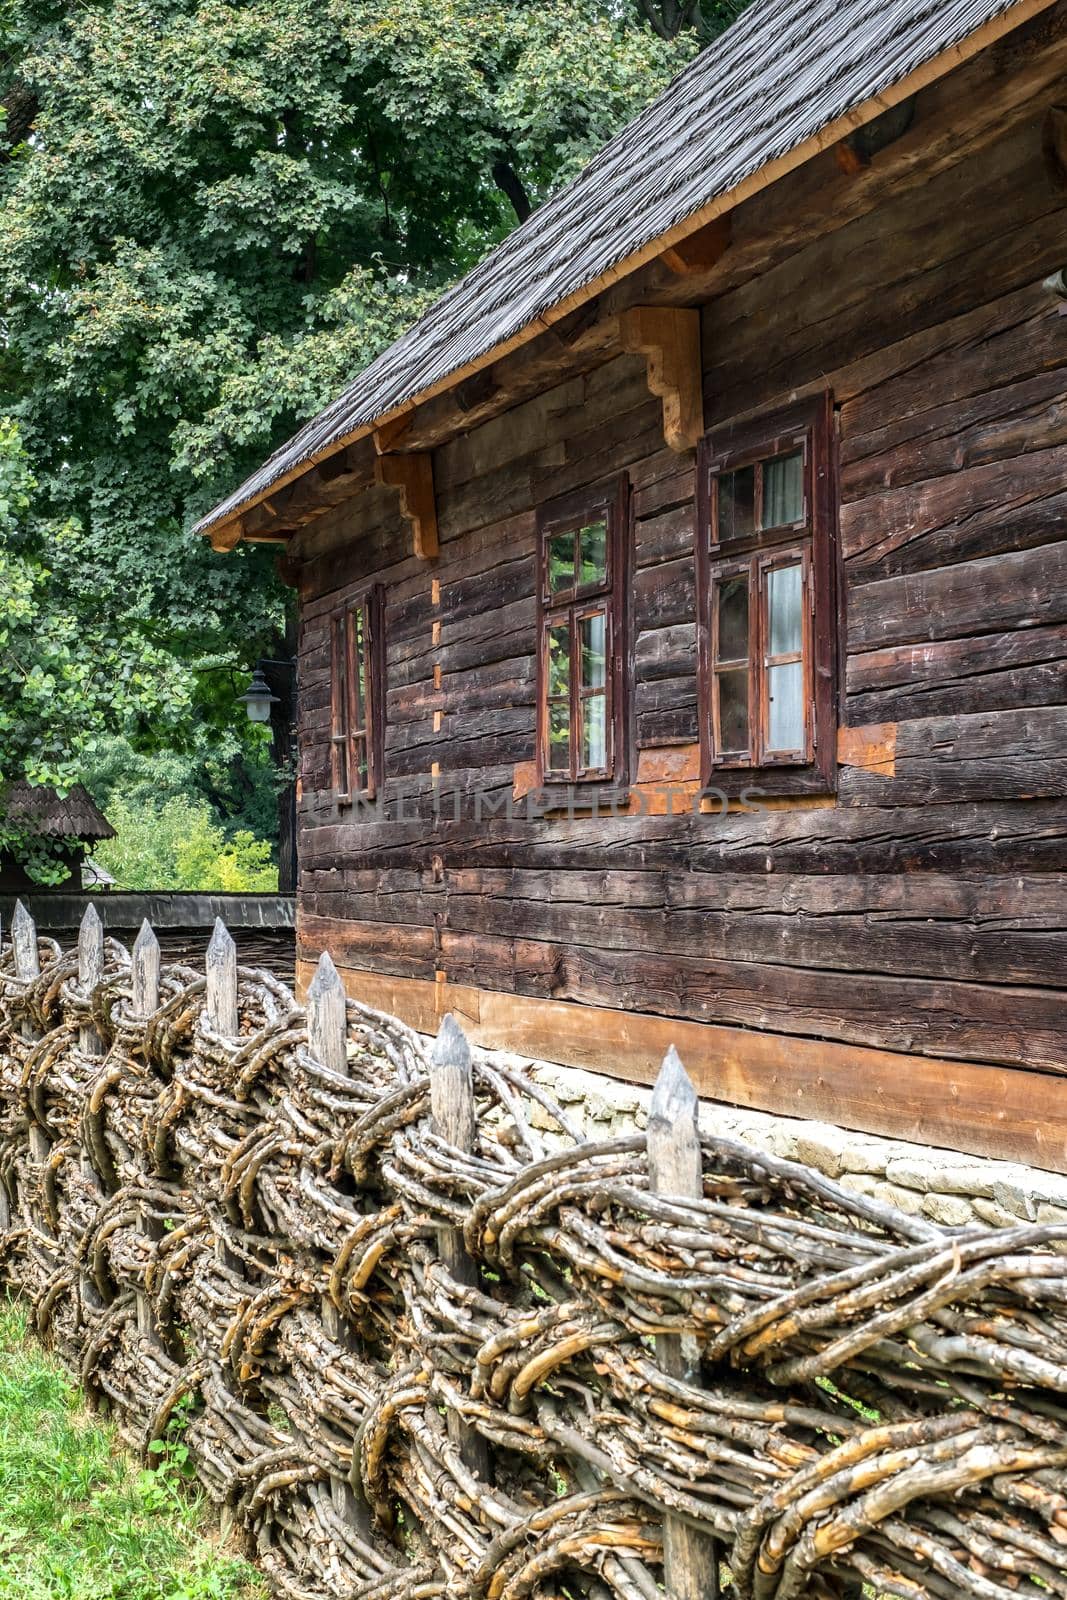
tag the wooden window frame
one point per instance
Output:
(346, 733)
(611, 502)
(807, 425)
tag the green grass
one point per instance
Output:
(81, 1520)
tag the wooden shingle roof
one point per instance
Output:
(50, 815)
(783, 73)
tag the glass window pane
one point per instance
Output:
(559, 736)
(732, 594)
(355, 622)
(594, 732)
(783, 490)
(559, 659)
(593, 553)
(732, 689)
(362, 770)
(561, 562)
(594, 651)
(737, 504)
(785, 712)
(340, 686)
(784, 618)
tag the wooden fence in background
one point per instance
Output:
(422, 1339)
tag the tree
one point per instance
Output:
(670, 18)
(226, 210)
(214, 212)
(67, 675)
(177, 844)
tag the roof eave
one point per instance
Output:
(225, 532)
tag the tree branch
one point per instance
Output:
(510, 184)
(21, 105)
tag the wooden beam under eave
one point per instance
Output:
(271, 536)
(412, 476)
(391, 432)
(669, 339)
(226, 536)
(702, 250)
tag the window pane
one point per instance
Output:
(559, 659)
(593, 553)
(559, 736)
(733, 711)
(355, 619)
(783, 490)
(737, 504)
(784, 600)
(594, 732)
(339, 687)
(785, 719)
(362, 771)
(594, 651)
(561, 562)
(732, 596)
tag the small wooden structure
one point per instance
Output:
(74, 818)
(683, 599)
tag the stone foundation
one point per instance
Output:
(952, 1189)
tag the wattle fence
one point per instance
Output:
(423, 1339)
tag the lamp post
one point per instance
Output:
(263, 706)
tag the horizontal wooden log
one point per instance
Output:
(958, 676)
(1005, 1023)
(964, 515)
(972, 838)
(1024, 589)
(1004, 930)
(995, 755)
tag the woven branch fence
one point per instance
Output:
(422, 1339)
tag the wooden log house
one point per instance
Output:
(684, 598)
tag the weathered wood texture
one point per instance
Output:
(922, 908)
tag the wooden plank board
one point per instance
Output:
(1012, 1116)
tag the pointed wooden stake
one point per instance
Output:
(144, 973)
(327, 1022)
(144, 998)
(221, 998)
(452, 1085)
(90, 972)
(454, 1118)
(28, 965)
(24, 939)
(690, 1558)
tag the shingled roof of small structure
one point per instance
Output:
(49, 815)
(785, 70)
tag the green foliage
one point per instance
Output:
(177, 844)
(81, 682)
(68, 676)
(236, 776)
(212, 214)
(78, 1521)
(228, 209)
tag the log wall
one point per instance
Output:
(914, 923)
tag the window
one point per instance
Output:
(766, 597)
(582, 558)
(356, 696)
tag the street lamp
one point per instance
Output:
(257, 698)
(264, 707)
